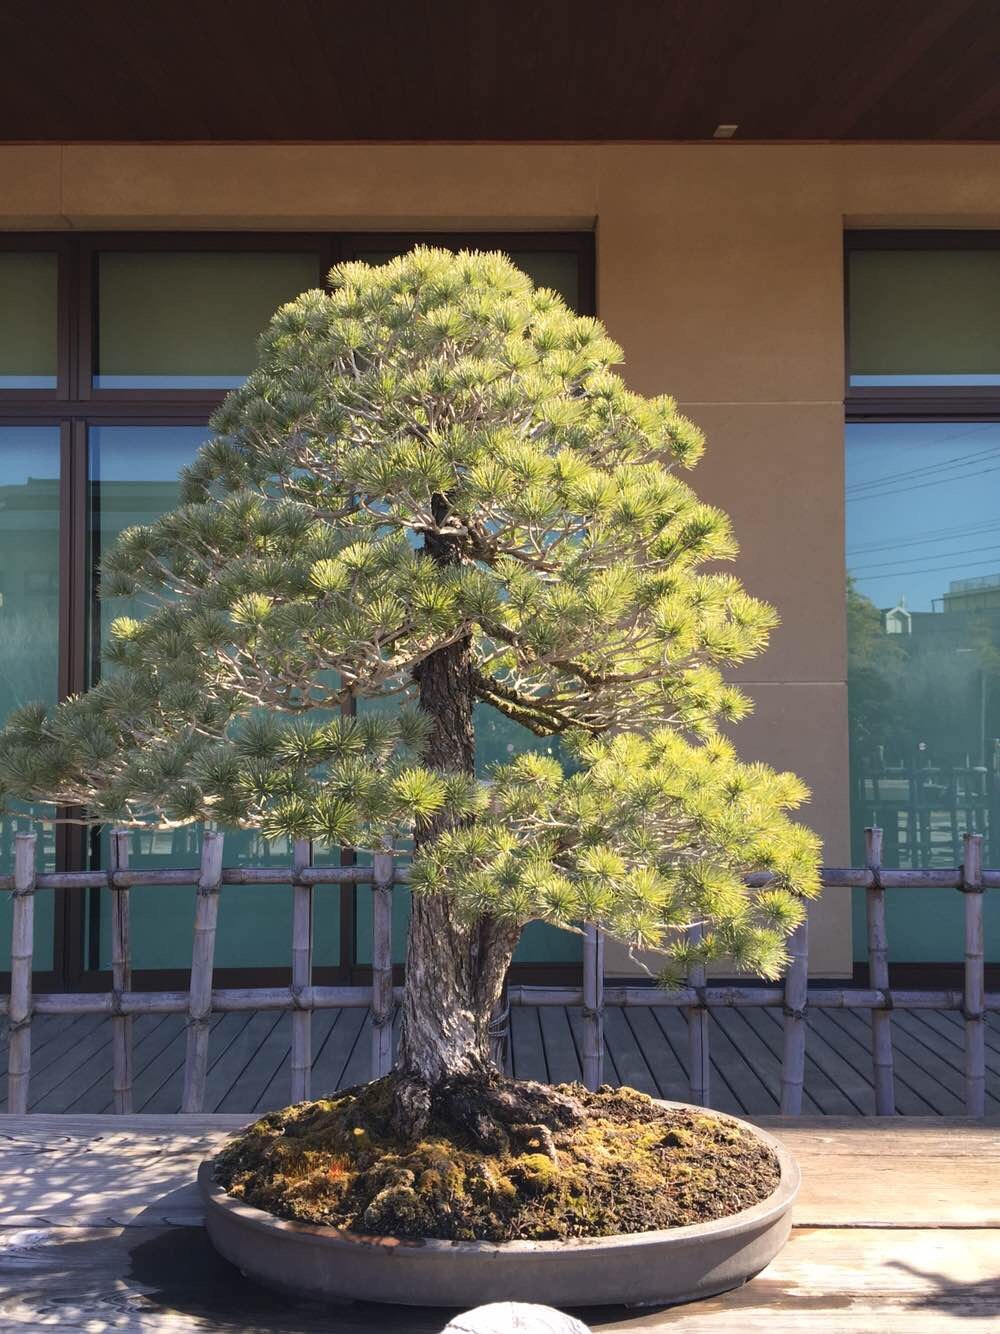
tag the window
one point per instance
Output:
(923, 564)
(114, 350)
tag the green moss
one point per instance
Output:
(630, 1166)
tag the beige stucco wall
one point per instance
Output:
(719, 270)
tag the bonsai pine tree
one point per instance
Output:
(434, 491)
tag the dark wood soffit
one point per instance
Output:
(508, 70)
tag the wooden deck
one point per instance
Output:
(897, 1231)
(645, 1047)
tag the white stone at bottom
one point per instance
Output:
(515, 1318)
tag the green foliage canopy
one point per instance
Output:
(442, 397)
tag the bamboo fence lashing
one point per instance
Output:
(206, 915)
(974, 1000)
(21, 948)
(878, 977)
(699, 1056)
(592, 1046)
(302, 964)
(121, 976)
(382, 1006)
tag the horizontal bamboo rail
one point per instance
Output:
(593, 995)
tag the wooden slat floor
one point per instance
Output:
(896, 1230)
(644, 1047)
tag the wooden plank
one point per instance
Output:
(739, 1076)
(992, 1027)
(73, 1069)
(667, 1072)
(749, 1048)
(527, 1048)
(943, 1059)
(166, 1063)
(225, 1030)
(949, 1037)
(821, 1093)
(909, 1073)
(274, 1050)
(628, 1056)
(225, 1073)
(847, 1064)
(560, 1051)
(54, 1036)
(95, 1092)
(357, 1069)
(830, 1079)
(331, 1060)
(825, 1281)
(847, 1166)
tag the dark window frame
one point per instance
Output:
(75, 405)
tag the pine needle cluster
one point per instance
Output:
(443, 398)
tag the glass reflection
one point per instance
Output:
(134, 479)
(923, 617)
(29, 626)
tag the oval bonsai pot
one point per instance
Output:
(660, 1268)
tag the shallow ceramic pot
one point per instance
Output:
(674, 1265)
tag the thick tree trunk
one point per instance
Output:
(454, 971)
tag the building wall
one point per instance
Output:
(719, 271)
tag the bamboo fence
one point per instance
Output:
(794, 996)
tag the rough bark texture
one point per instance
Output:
(454, 971)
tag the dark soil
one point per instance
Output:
(628, 1165)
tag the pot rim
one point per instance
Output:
(758, 1215)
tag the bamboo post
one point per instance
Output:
(793, 1055)
(699, 1059)
(22, 938)
(592, 1053)
(202, 962)
(974, 997)
(302, 962)
(382, 997)
(121, 978)
(878, 977)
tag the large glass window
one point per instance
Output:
(29, 622)
(188, 320)
(923, 575)
(28, 319)
(133, 480)
(924, 317)
(161, 327)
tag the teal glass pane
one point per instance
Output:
(189, 320)
(924, 317)
(134, 479)
(29, 627)
(558, 269)
(28, 319)
(923, 617)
